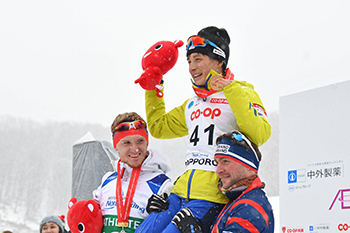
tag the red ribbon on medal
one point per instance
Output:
(124, 209)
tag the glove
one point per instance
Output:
(157, 203)
(186, 222)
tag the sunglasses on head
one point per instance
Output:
(237, 135)
(197, 41)
(130, 125)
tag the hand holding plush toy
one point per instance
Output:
(156, 62)
(84, 216)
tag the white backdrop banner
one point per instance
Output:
(315, 160)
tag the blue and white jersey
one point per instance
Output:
(152, 179)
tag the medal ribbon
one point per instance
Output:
(124, 209)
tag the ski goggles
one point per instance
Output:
(197, 41)
(140, 124)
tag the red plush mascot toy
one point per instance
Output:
(84, 216)
(156, 62)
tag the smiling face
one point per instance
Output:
(50, 227)
(200, 65)
(132, 150)
(230, 172)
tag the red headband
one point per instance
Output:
(118, 135)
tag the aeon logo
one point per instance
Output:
(340, 196)
(208, 112)
(343, 227)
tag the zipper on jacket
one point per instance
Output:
(189, 185)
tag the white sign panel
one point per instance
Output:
(315, 160)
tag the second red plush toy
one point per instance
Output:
(84, 216)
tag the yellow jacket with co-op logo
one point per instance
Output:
(236, 107)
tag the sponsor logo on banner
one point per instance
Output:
(292, 229)
(326, 170)
(297, 187)
(343, 227)
(323, 170)
(296, 176)
(342, 196)
(319, 228)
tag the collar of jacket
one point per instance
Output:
(238, 192)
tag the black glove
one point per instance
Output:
(157, 203)
(186, 222)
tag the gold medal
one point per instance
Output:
(211, 77)
(123, 224)
(215, 86)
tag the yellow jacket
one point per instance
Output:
(250, 119)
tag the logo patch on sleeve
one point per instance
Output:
(155, 183)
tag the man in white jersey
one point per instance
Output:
(140, 172)
(221, 104)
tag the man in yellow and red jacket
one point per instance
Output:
(221, 105)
